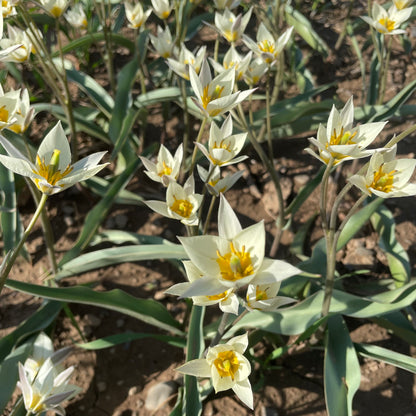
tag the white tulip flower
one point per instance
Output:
(185, 60)
(162, 8)
(53, 171)
(267, 47)
(385, 176)
(162, 42)
(24, 112)
(227, 300)
(55, 7)
(8, 8)
(42, 350)
(402, 4)
(340, 140)
(223, 146)
(232, 59)
(182, 203)
(135, 14)
(76, 17)
(215, 184)
(263, 297)
(255, 70)
(226, 365)
(47, 390)
(8, 107)
(388, 21)
(17, 47)
(230, 26)
(232, 259)
(215, 96)
(166, 167)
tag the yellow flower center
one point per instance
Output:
(341, 138)
(401, 4)
(36, 405)
(4, 114)
(267, 46)
(382, 181)
(387, 23)
(261, 294)
(167, 170)
(56, 11)
(84, 23)
(206, 99)
(235, 265)
(182, 207)
(17, 128)
(227, 364)
(231, 35)
(222, 295)
(50, 172)
(165, 14)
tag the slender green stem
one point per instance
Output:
(186, 121)
(335, 206)
(332, 238)
(216, 47)
(274, 176)
(9, 260)
(46, 227)
(401, 136)
(351, 212)
(324, 194)
(68, 101)
(268, 122)
(198, 140)
(209, 214)
(384, 72)
(221, 329)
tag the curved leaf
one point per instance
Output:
(390, 357)
(116, 255)
(147, 310)
(383, 222)
(341, 369)
(117, 339)
(94, 91)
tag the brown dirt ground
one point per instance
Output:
(116, 381)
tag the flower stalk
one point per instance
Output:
(10, 259)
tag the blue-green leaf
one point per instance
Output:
(147, 310)
(341, 369)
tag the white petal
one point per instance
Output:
(273, 271)
(243, 391)
(205, 286)
(56, 140)
(197, 368)
(228, 224)
(159, 207)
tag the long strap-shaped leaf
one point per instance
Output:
(341, 369)
(147, 310)
(116, 255)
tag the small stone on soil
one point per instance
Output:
(159, 394)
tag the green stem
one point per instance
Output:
(384, 73)
(198, 140)
(209, 214)
(186, 122)
(221, 329)
(324, 194)
(268, 122)
(10, 259)
(46, 227)
(274, 176)
(332, 238)
(401, 136)
(68, 102)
